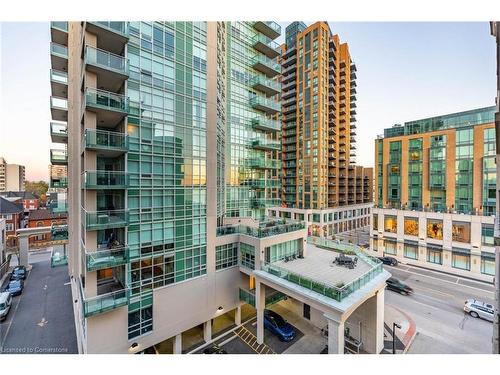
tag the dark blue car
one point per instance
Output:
(15, 287)
(18, 272)
(279, 326)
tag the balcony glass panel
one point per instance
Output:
(58, 156)
(108, 60)
(115, 26)
(106, 302)
(59, 129)
(106, 258)
(59, 103)
(268, 105)
(58, 76)
(104, 219)
(264, 163)
(61, 25)
(266, 124)
(105, 139)
(105, 179)
(59, 50)
(106, 100)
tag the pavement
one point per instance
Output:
(41, 319)
(436, 307)
(404, 335)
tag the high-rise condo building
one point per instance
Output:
(171, 137)
(320, 178)
(435, 193)
(12, 176)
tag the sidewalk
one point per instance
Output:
(404, 336)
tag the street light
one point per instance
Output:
(394, 326)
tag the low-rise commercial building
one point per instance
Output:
(44, 218)
(12, 213)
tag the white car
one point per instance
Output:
(5, 302)
(478, 309)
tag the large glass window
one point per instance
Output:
(434, 255)
(411, 226)
(461, 232)
(487, 235)
(247, 254)
(460, 258)
(282, 250)
(390, 247)
(488, 263)
(410, 251)
(435, 229)
(226, 256)
(375, 222)
(390, 223)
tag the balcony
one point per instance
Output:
(59, 108)
(58, 157)
(111, 36)
(266, 65)
(109, 107)
(106, 258)
(290, 109)
(265, 105)
(262, 183)
(261, 163)
(58, 206)
(265, 124)
(59, 132)
(257, 203)
(108, 143)
(289, 60)
(105, 219)
(265, 85)
(272, 296)
(59, 32)
(59, 57)
(288, 94)
(59, 83)
(291, 69)
(265, 144)
(105, 180)
(268, 28)
(112, 70)
(266, 46)
(105, 302)
(58, 182)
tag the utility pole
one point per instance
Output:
(495, 31)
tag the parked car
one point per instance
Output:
(398, 286)
(279, 326)
(390, 261)
(15, 287)
(478, 309)
(19, 272)
(5, 302)
(214, 349)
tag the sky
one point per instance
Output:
(405, 71)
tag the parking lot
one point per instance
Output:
(41, 319)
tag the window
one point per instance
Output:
(391, 224)
(435, 229)
(375, 222)
(461, 232)
(411, 226)
(487, 235)
(390, 247)
(226, 256)
(460, 258)
(247, 254)
(9, 227)
(282, 250)
(488, 263)
(410, 251)
(435, 256)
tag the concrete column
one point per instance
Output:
(237, 316)
(260, 304)
(207, 330)
(335, 336)
(23, 250)
(379, 321)
(178, 344)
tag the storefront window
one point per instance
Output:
(390, 248)
(461, 232)
(487, 235)
(435, 229)
(391, 224)
(460, 258)
(411, 226)
(488, 263)
(411, 251)
(375, 222)
(434, 256)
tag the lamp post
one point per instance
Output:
(394, 326)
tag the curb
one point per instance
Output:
(411, 333)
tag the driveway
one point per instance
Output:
(41, 319)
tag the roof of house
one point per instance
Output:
(7, 207)
(46, 215)
(18, 194)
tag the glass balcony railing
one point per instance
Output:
(264, 202)
(269, 28)
(265, 124)
(262, 163)
(266, 65)
(119, 27)
(106, 258)
(58, 103)
(57, 260)
(59, 182)
(261, 183)
(265, 85)
(248, 296)
(58, 76)
(59, 50)
(105, 219)
(265, 144)
(58, 130)
(105, 180)
(105, 302)
(61, 25)
(266, 46)
(58, 206)
(101, 139)
(269, 106)
(106, 60)
(58, 157)
(106, 100)
(270, 229)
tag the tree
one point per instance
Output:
(38, 188)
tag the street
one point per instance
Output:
(437, 309)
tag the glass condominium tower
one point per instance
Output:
(170, 132)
